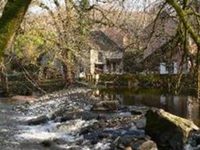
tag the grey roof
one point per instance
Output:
(102, 42)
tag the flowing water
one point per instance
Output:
(8, 124)
(15, 135)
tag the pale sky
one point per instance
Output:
(130, 5)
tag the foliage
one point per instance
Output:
(29, 45)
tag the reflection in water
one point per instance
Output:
(162, 100)
(193, 112)
(183, 106)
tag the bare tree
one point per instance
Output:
(188, 12)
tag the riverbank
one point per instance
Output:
(75, 119)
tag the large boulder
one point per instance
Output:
(168, 130)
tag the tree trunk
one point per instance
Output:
(198, 72)
(197, 3)
(183, 17)
(10, 21)
(69, 68)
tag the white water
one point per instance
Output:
(67, 131)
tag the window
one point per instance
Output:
(100, 57)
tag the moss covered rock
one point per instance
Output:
(168, 130)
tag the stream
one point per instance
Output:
(66, 122)
(8, 124)
(186, 106)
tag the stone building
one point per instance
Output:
(164, 53)
(106, 56)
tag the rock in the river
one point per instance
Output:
(128, 148)
(66, 115)
(58, 113)
(194, 141)
(106, 106)
(78, 115)
(167, 129)
(46, 143)
(141, 123)
(22, 98)
(143, 144)
(51, 145)
(148, 145)
(38, 120)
